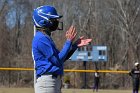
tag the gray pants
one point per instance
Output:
(48, 84)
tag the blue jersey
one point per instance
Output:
(47, 57)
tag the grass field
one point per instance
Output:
(30, 90)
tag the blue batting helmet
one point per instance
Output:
(43, 14)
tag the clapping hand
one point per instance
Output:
(82, 42)
(71, 33)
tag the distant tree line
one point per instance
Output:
(114, 23)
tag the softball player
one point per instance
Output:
(135, 74)
(48, 59)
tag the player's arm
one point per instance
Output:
(65, 50)
(73, 49)
(78, 43)
(70, 35)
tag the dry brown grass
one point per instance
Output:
(31, 90)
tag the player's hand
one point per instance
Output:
(82, 42)
(71, 33)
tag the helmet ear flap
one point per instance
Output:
(45, 23)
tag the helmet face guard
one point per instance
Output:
(60, 26)
(46, 17)
(55, 24)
